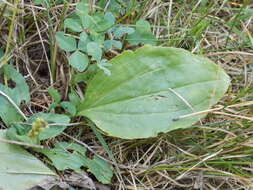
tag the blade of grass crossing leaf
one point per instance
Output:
(13, 104)
(107, 150)
(53, 44)
(234, 22)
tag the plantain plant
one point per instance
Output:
(149, 91)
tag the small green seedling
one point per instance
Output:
(91, 33)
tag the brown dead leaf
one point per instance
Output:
(51, 183)
(80, 180)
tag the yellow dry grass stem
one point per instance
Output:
(6, 56)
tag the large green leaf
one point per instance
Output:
(151, 87)
(63, 159)
(20, 170)
(19, 93)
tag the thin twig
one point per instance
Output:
(13, 104)
(169, 17)
(43, 46)
(53, 124)
(86, 146)
(172, 180)
(229, 52)
(198, 113)
(233, 115)
(101, 157)
(182, 98)
(205, 159)
(21, 143)
(241, 104)
(185, 101)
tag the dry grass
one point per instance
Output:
(215, 155)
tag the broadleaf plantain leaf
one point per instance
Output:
(151, 87)
(20, 170)
(62, 159)
(19, 93)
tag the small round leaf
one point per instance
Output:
(94, 50)
(84, 40)
(73, 24)
(79, 61)
(66, 43)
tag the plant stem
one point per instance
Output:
(53, 45)
(7, 49)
